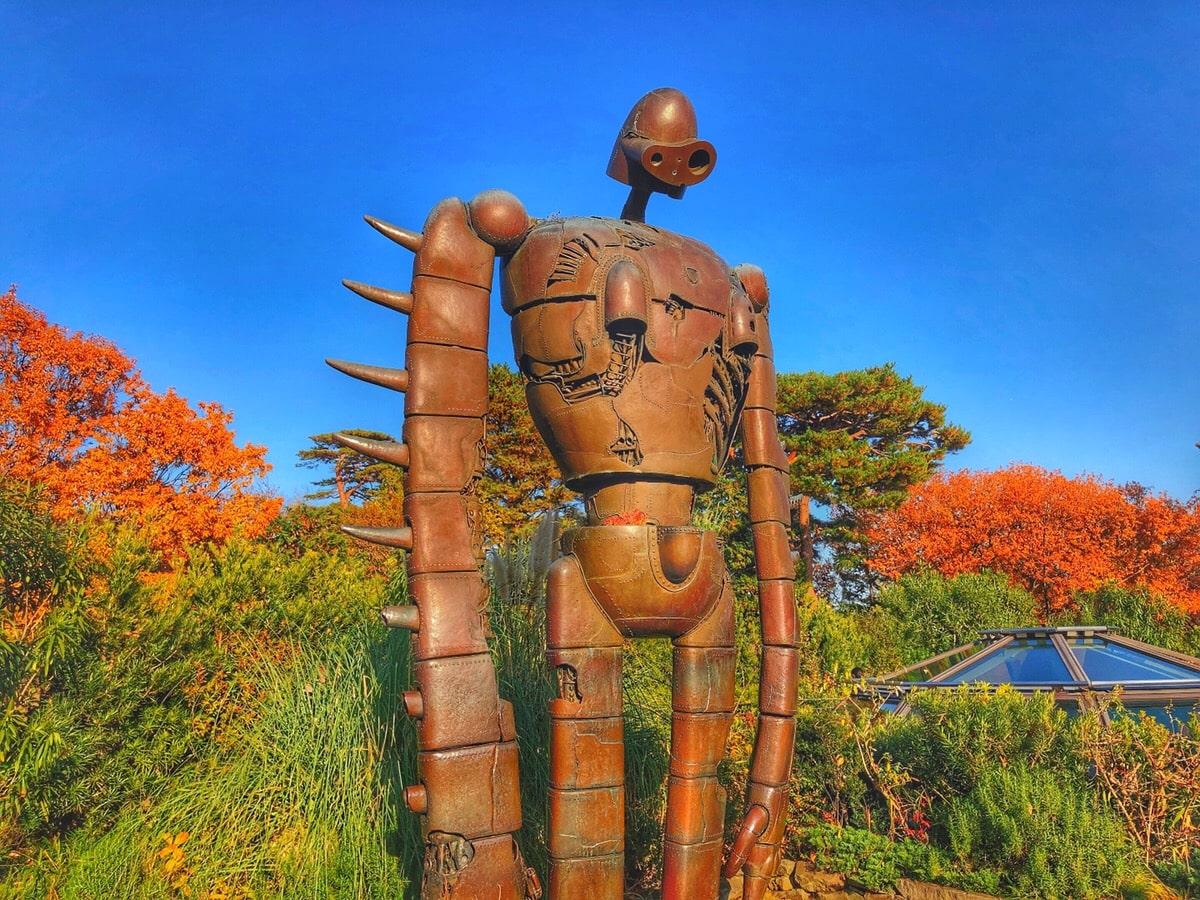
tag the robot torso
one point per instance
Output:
(636, 346)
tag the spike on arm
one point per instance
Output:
(409, 240)
(400, 301)
(401, 538)
(384, 451)
(395, 379)
(407, 617)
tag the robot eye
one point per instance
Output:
(699, 161)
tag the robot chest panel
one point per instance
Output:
(672, 291)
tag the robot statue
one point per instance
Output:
(643, 354)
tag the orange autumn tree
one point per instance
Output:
(77, 419)
(1051, 535)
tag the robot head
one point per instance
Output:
(657, 149)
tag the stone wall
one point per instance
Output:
(800, 881)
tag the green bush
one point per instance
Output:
(1052, 836)
(40, 559)
(1180, 875)
(1136, 613)
(836, 642)
(914, 618)
(301, 527)
(930, 613)
(987, 791)
(827, 779)
(953, 737)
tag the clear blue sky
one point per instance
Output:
(1001, 198)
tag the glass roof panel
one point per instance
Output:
(1106, 662)
(929, 670)
(1021, 662)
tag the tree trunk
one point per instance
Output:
(804, 531)
(340, 481)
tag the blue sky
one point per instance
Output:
(1001, 198)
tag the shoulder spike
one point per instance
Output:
(397, 300)
(401, 538)
(407, 617)
(384, 451)
(396, 379)
(409, 240)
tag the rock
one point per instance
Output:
(816, 882)
(919, 890)
(783, 875)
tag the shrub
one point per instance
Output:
(1151, 776)
(998, 780)
(40, 559)
(47, 633)
(953, 737)
(1052, 836)
(838, 641)
(1139, 614)
(113, 679)
(301, 527)
(931, 613)
(827, 779)
(878, 863)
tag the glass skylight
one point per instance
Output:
(1108, 662)
(1079, 665)
(932, 668)
(1021, 662)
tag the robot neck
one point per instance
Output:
(635, 207)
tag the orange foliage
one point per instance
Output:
(1051, 535)
(633, 517)
(79, 420)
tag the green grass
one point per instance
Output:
(300, 803)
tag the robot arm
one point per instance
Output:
(757, 845)
(468, 796)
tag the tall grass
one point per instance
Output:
(299, 803)
(646, 683)
(517, 621)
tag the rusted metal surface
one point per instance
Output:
(645, 356)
